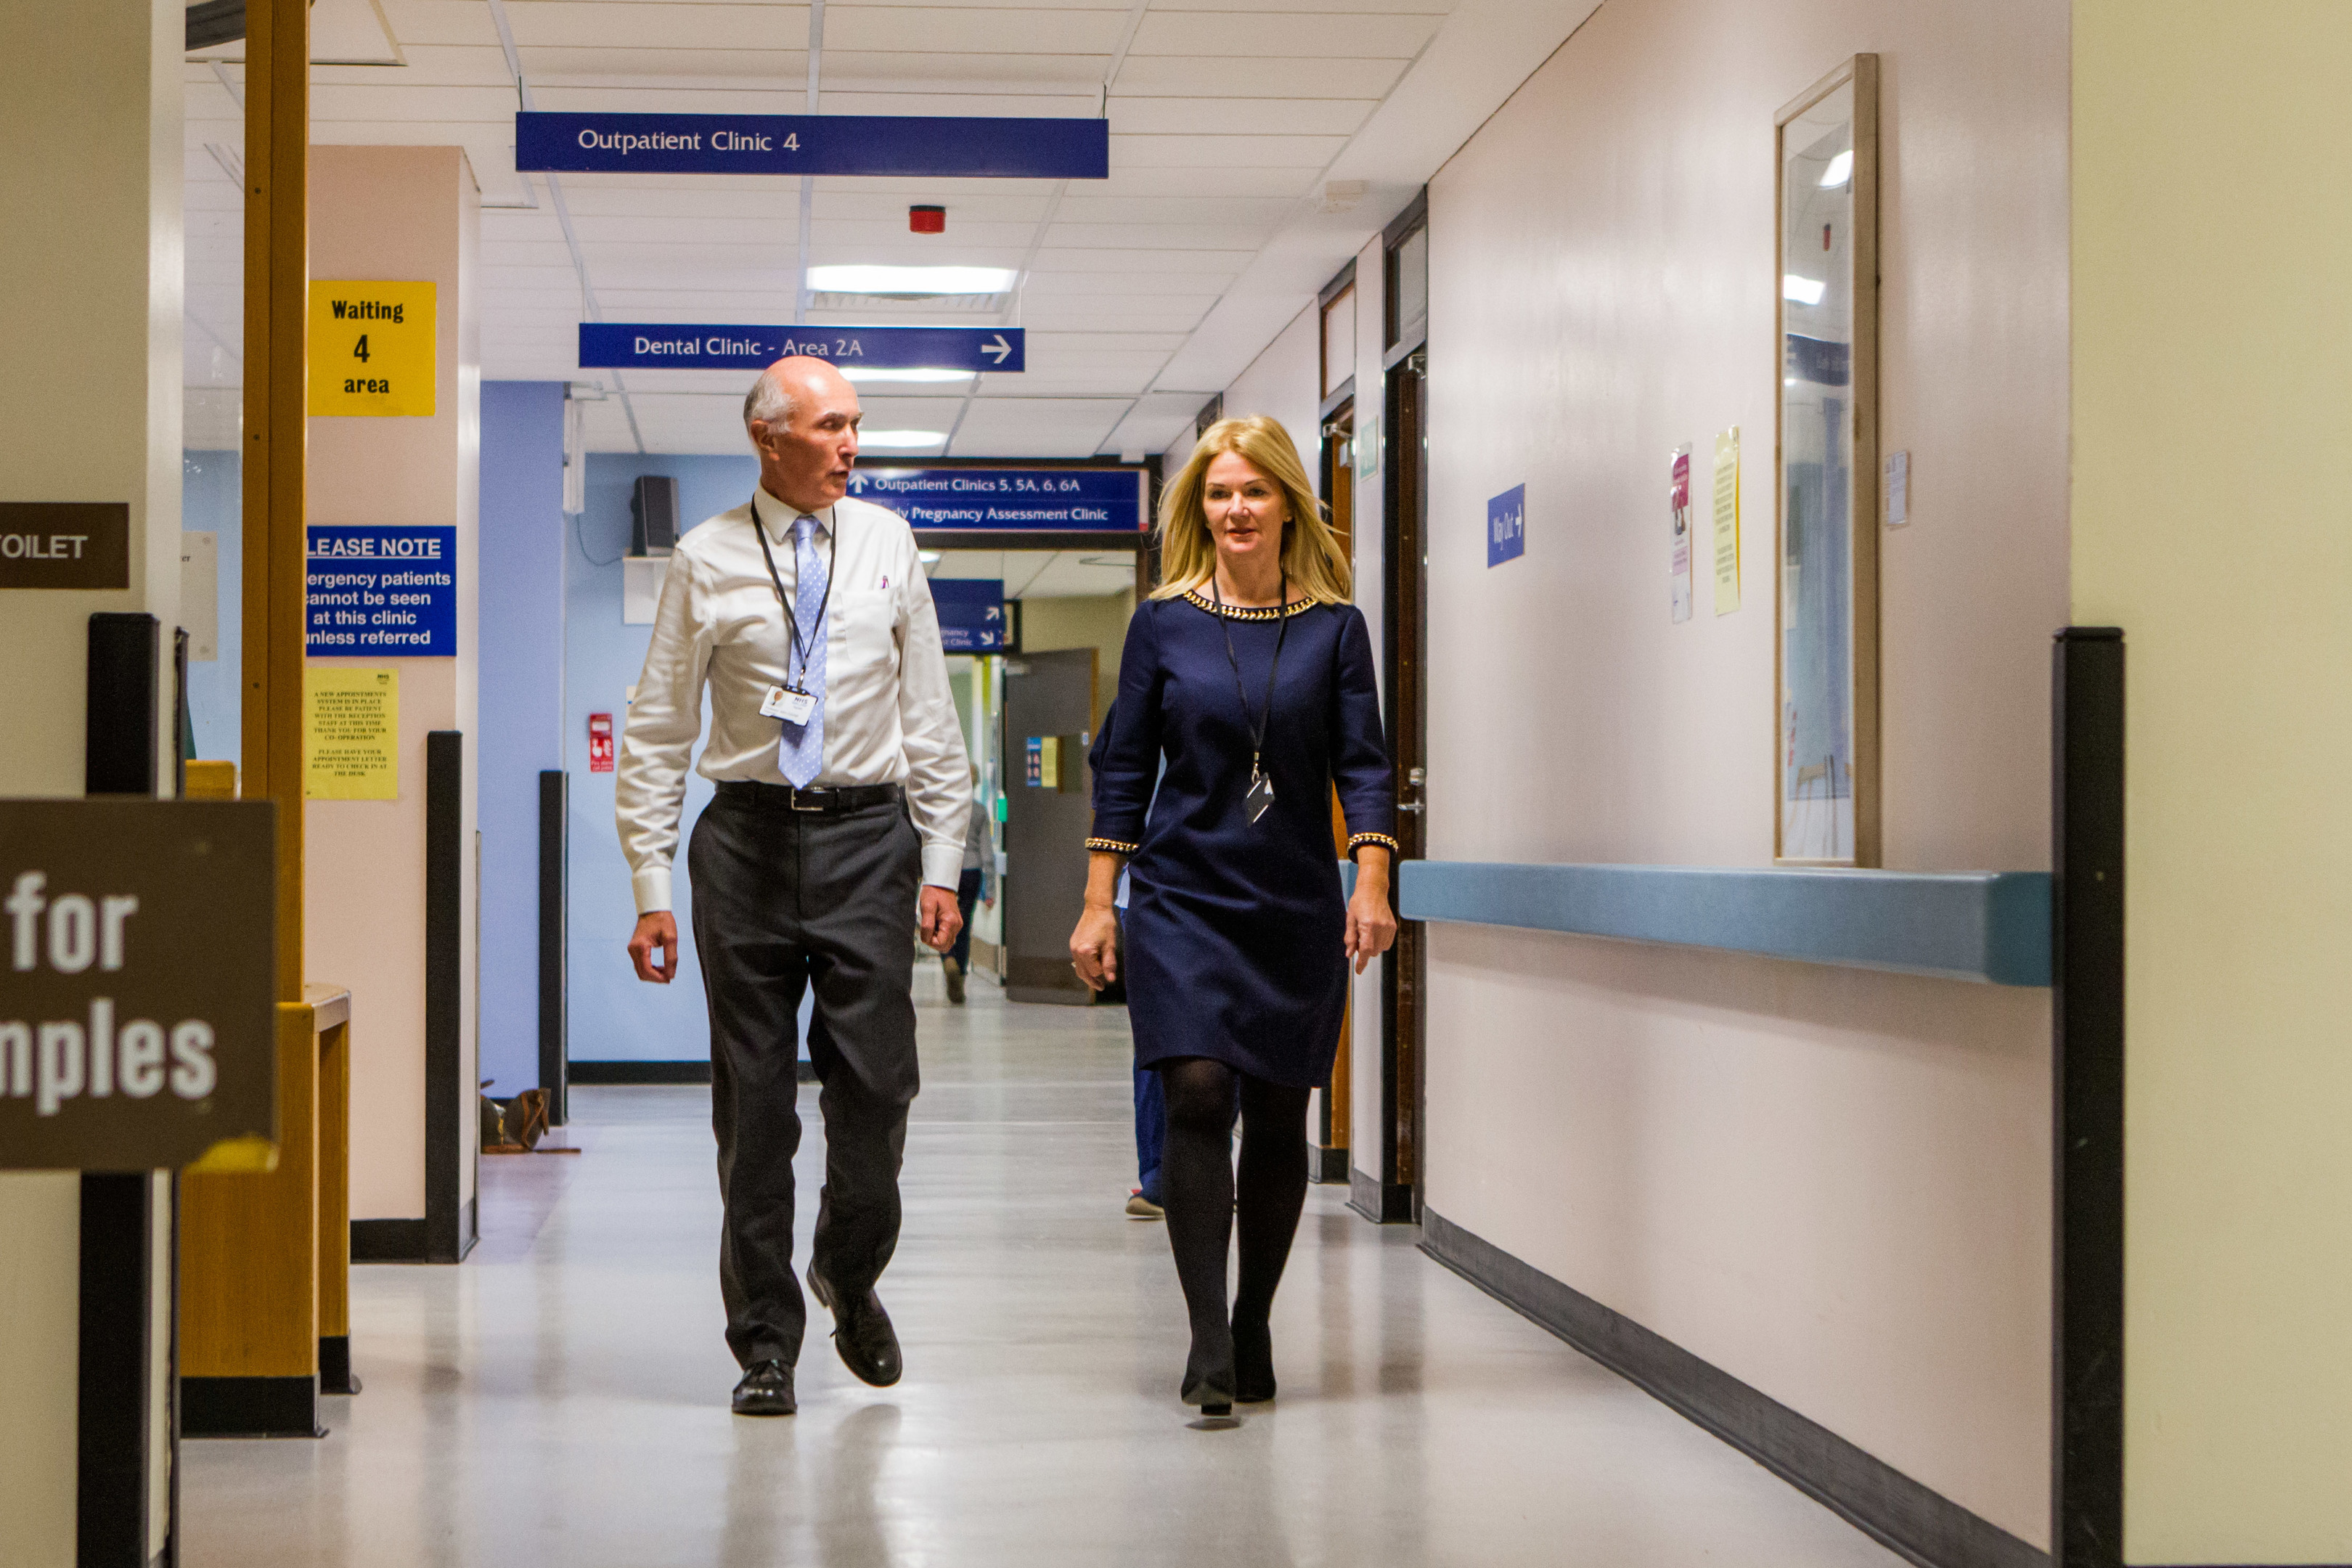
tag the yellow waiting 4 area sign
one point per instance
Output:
(372, 348)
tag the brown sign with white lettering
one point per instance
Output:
(138, 981)
(64, 544)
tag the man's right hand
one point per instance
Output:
(656, 931)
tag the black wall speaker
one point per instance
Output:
(653, 513)
(119, 752)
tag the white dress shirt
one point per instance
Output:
(889, 717)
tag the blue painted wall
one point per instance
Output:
(211, 501)
(521, 703)
(615, 1015)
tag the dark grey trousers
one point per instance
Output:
(784, 900)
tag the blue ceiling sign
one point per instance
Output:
(972, 614)
(1013, 500)
(621, 345)
(928, 146)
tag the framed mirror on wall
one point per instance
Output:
(1826, 599)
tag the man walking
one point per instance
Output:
(839, 819)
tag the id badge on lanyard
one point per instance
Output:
(1260, 798)
(789, 703)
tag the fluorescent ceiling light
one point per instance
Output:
(863, 373)
(1804, 290)
(1840, 170)
(927, 557)
(900, 440)
(916, 280)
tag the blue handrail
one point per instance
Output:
(1989, 926)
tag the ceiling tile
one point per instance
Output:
(1223, 152)
(1238, 115)
(1300, 34)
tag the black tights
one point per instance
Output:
(1200, 1182)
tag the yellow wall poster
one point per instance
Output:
(1726, 521)
(372, 348)
(350, 733)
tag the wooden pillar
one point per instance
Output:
(277, 435)
(249, 1241)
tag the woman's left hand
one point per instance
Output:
(1372, 924)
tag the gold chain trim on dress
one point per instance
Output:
(1358, 839)
(1111, 846)
(1240, 613)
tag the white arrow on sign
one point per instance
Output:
(999, 348)
(857, 484)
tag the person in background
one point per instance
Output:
(979, 876)
(1251, 674)
(1150, 1104)
(803, 617)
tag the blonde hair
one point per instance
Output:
(1188, 554)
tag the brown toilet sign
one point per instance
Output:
(137, 982)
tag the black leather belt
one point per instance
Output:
(822, 801)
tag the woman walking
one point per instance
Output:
(1251, 674)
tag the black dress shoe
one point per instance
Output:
(1252, 1363)
(766, 1390)
(861, 1333)
(1209, 1378)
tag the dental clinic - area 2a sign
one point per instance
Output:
(138, 985)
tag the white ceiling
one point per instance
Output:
(1142, 294)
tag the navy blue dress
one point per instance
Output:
(1236, 930)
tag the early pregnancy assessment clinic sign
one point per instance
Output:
(377, 591)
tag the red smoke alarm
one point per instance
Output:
(927, 220)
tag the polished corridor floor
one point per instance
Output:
(561, 1399)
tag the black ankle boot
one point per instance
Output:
(1252, 1362)
(1209, 1376)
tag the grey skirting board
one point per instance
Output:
(1987, 926)
(1922, 1525)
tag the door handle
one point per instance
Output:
(1414, 806)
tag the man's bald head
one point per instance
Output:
(783, 386)
(802, 416)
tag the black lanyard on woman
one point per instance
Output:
(791, 627)
(1261, 788)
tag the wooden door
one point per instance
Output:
(1339, 475)
(1404, 512)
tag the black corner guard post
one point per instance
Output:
(448, 1104)
(554, 882)
(2086, 753)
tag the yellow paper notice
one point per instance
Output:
(1726, 521)
(372, 348)
(350, 733)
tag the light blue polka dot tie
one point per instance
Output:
(800, 752)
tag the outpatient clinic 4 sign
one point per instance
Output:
(382, 590)
(927, 146)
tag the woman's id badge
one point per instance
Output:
(788, 704)
(1260, 796)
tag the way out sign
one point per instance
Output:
(138, 943)
(372, 348)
